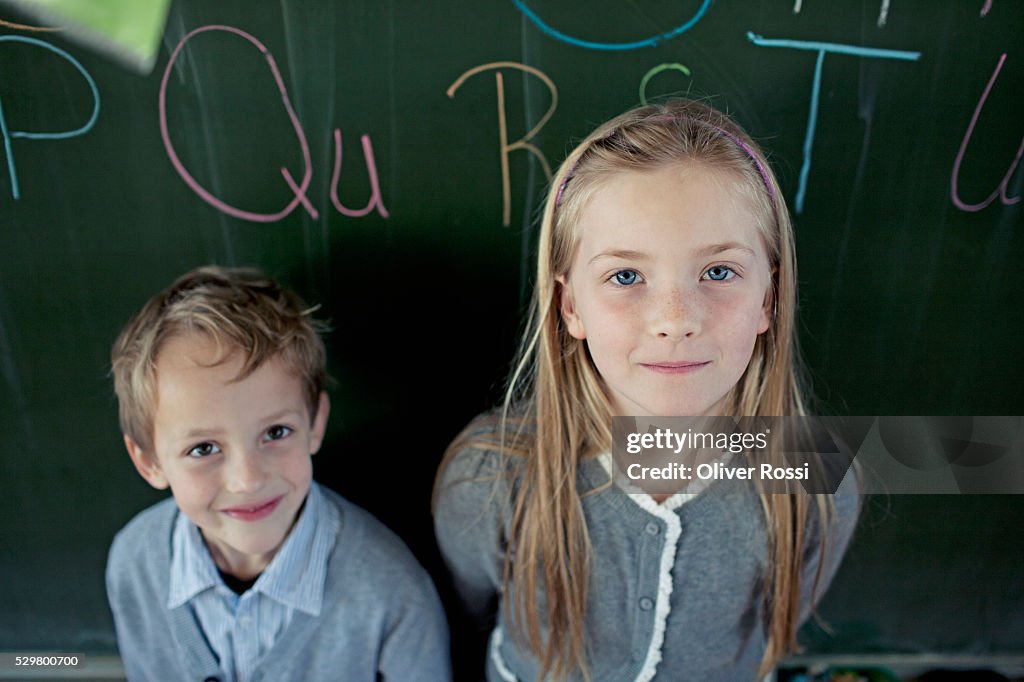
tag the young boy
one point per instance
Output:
(252, 571)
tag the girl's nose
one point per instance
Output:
(675, 314)
(243, 472)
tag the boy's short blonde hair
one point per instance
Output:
(241, 310)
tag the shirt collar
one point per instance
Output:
(297, 573)
(192, 567)
(295, 576)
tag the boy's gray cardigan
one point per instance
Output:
(381, 617)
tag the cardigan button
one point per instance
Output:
(646, 603)
(652, 528)
(211, 678)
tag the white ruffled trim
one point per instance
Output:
(666, 512)
(673, 502)
(668, 560)
(497, 637)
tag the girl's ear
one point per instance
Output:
(567, 306)
(316, 435)
(147, 466)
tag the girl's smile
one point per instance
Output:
(674, 367)
(670, 286)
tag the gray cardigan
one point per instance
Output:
(674, 594)
(381, 617)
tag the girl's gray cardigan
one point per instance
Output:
(674, 593)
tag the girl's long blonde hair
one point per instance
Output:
(556, 411)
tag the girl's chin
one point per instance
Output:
(672, 410)
(668, 406)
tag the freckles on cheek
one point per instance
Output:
(742, 324)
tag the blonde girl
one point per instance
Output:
(666, 285)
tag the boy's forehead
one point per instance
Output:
(199, 386)
(194, 364)
(192, 349)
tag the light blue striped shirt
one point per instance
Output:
(241, 628)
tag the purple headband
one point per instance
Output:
(739, 143)
(561, 188)
(757, 162)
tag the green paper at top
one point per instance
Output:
(129, 30)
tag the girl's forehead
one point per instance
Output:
(678, 207)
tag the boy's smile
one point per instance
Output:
(235, 453)
(670, 287)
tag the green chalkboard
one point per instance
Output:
(355, 151)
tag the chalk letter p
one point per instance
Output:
(8, 134)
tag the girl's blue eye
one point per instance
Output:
(625, 277)
(203, 450)
(278, 431)
(720, 273)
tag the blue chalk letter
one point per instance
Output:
(8, 134)
(812, 119)
(650, 41)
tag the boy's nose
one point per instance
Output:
(674, 314)
(243, 472)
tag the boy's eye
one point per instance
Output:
(625, 277)
(277, 432)
(203, 450)
(719, 273)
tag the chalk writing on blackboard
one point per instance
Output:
(650, 41)
(672, 66)
(7, 134)
(298, 190)
(26, 27)
(812, 120)
(371, 167)
(1000, 191)
(504, 146)
(883, 11)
